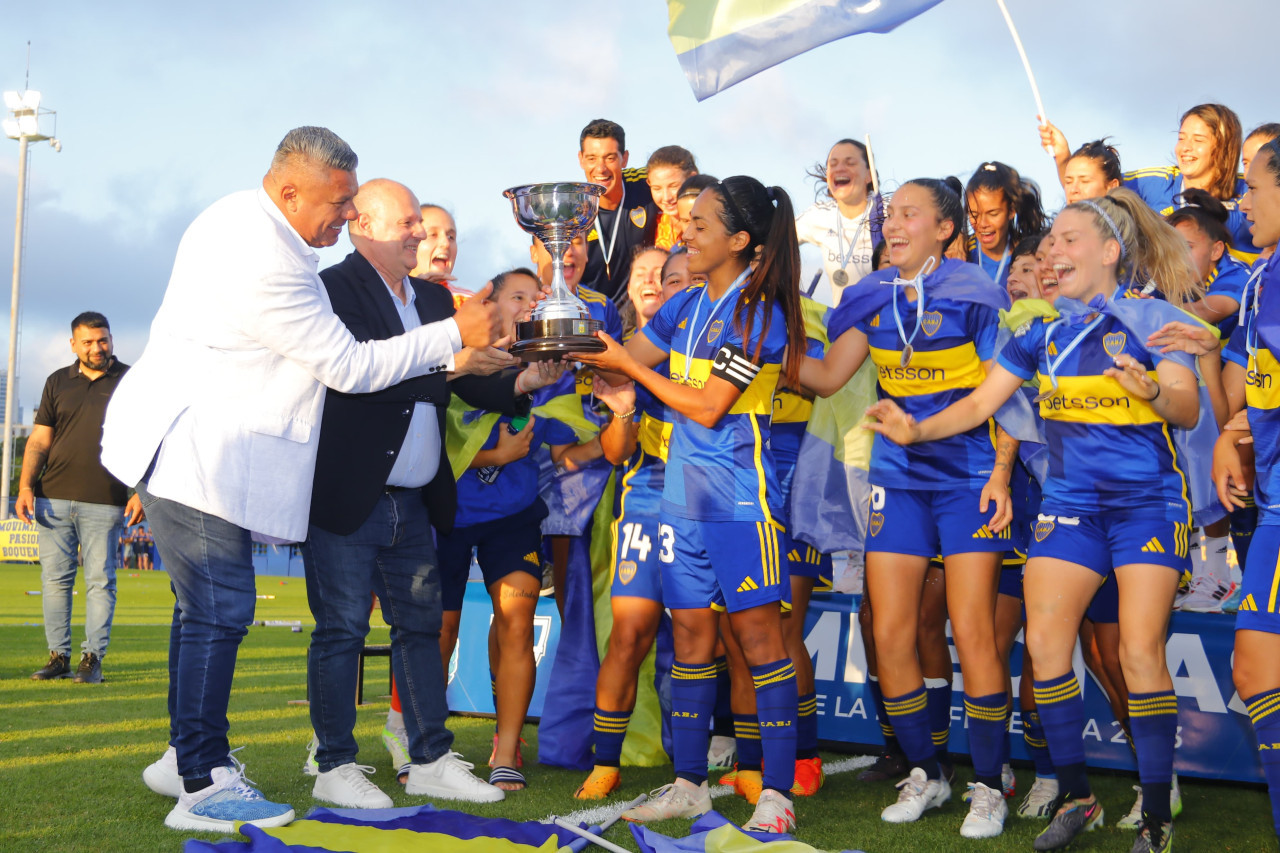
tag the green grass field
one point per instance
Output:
(71, 755)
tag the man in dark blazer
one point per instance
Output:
(382, 481)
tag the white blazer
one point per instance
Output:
(231, 384)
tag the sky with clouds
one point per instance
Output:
(164, 107)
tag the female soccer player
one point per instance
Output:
(845, 226)
(499, 516)
(668, 168)
(635, 437)
(728, 344)
(1202, 222)
(929, 327)
(1092, 171)
(1115, 494)
(644, 282)
(1003, 209)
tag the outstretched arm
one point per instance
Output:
(827, 375)
(961, 416)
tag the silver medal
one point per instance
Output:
(1044, 395)
(907, 352)
(840, 277)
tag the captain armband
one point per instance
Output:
(732, 365)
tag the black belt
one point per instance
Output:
(391, 490)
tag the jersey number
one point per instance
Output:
(633, 536)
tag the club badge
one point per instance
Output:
(877, 522)
(626, 571)
(931, 322)
(1044, 526)
(1113, 343)
(714, 331)
(638, 217)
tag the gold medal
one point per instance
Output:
(907, 352)
(840, 277)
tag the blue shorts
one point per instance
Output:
(728, 565)
(1011, 580)
(1106, 540)
(502, 546)
(805, 561)
(641, 544)
(1105, 607)
(931, 523)
(1260, 594)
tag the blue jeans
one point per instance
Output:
(95, 529)
(210, 565)
(393, 556)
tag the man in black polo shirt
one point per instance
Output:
(65, 490)
(627, 218)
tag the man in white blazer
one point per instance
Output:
(218, 424)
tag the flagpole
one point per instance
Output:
(1026, 66)
(871, 164)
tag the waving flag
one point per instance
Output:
(723, 42)
(712, 833)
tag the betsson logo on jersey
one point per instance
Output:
(1060, 402)
(912, 374)
(1257, 379)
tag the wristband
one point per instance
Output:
(1157, 394)
(627, 414)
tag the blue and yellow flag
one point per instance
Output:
(723, 42)
(712, 833)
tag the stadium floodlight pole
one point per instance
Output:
(23, 124)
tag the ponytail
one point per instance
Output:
(768, 218)
(1023, 197)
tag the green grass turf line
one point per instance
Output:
(71, 756)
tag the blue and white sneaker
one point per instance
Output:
(231, 799)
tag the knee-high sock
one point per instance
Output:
(1061, 709)
(693, 699)
(746, 735)
(1264, 711)
(722, 720)
(938, 691)
(910, 716)
(807, 728)
(1033, 737)
(1154, 718)
(776, 708)
(609, 730)
(891, 744)
(986, 730)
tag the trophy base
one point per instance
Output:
(544, 340)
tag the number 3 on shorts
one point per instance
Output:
(667, 554)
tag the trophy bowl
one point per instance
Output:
(555, 213)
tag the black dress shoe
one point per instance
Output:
(57, 667)
(90, 669)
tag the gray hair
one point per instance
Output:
(315, 146)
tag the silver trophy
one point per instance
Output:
(555, 214)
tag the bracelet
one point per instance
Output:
(1157, 394)
(26, 489)
(519, 381)
(627, 414)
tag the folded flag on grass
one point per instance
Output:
(386, 830)
(713, 833)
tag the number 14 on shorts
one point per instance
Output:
(635, 539)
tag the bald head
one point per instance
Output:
(388, 227)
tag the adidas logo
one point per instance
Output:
(747, 585)
(875, 322)
(532, 557)
(683, 323)
(983, 532)
(1153, 547)
(1052, 349)
(1249, 604)
(794, 556)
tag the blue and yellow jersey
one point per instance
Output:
(955, 338)
(1108, 449)
(992, 267)
(726, 472)
(516, 487)
(1159, 187)
(1229, 278)
(1262, 397)
(580, 379)
(647, 465)
(791, 413)
(602, 308)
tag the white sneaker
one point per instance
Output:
(722, 753)
(679, 799)
(1206, 596)
(916, 794)
(397, 743)
(162, 776)
(348, 785)
(987, 811)
(1133, 820)
(450, 778)
(311, 767)
(231, 799)
(773, 814)
(1038, 800)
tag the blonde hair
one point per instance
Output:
(1150, 248)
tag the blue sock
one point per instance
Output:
(777, 704)
(693, 699)
(910, 716)
(1061, 709)
(610, 730)
(722, 719)
(939, 692)
(1004, 740)
(1033, 737)
(746, 734)
(891, 745)
(1154, 719)
(1264, 711)
(986, 730)
(807, 730)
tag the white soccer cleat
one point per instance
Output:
(162, 776)
(679, 799)
(987, 811)
(1039, 800)
(774, 813)
(1133, 820)
(348, 785)
(450, 778)
(722, 753)
(916, 794)
(397, 743)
